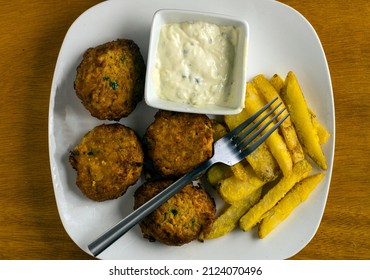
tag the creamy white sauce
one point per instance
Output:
(194, 63)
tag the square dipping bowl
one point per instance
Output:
(236, 94)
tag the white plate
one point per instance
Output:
(280, 40)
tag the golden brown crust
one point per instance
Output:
(179, 220)
(110, 79)
(178, 142)
(108, 160)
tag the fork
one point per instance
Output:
(230, 149)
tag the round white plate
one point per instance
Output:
(280, 40)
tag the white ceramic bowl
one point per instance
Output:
(237, 93)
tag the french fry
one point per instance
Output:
(264, 163)
(287, 204)
(232, 121)
(220, 130)
(268, 91)
(217, 173)
(243, 170)
(261, 160)
(300, 171)
(278, 83)
(301, 118)
(229, 219)
(254, 102)
(234, 190)
(322, 133)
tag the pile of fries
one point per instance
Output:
(280, 161)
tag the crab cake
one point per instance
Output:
(179, 220)
(178, 142)
(110, 79)
(108, 160)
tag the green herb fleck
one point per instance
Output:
(113, 85)
(174, 212)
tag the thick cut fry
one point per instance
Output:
(229, 219)
(232, 121)
(220, 130)
(264, 163)
(277, 82)
(242, 170)
(286, 205)
(322, 133)
(268, 91)
(300, 171)
(234, 190)
(254, 102)
(261, 160)
(217, 173)
(301, 118)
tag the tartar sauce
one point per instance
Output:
(194, 63)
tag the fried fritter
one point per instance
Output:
(110, 79)
(108, 160)
(178, 142)
(181, 219)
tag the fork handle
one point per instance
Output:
(113, 234)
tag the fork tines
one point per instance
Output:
(245, 129)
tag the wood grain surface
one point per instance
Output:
(31, 36)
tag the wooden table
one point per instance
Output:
(31, 36)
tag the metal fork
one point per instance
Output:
(230, 149)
